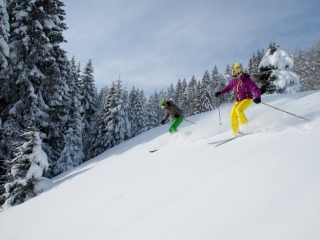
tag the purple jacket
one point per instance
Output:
(243, 88)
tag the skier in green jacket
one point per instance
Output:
(174, 111)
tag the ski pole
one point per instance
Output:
(190, 121)
(219, 109)
(283, 111)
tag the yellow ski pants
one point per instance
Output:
(237, 115)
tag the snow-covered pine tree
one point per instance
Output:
(159, 112)
(183, 98)
(72, 153)
(191, 92)
(124, 125)
(177, 91)
(35, 77)
(4, 55)
(255, 73)
(198, 101)
(206, 93)
(162, 94)
(113, 126)
(96, 123)
(307, 66)
(152, 112)
(27, 168)
(4, 35)
(142, 110)
(219, 82)
(102, 96)
(215, 78)
(229, 97)
(143, 98)
(170, 93)
(275, 72)
(251, 65)
(136, 111)
(89, 100)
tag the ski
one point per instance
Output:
(152, 151)
(225, 141)
(218, 143)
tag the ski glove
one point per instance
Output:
(217, 94)
(257, 100)
(176, 115)
(163, 122)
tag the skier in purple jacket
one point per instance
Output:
(244, 89)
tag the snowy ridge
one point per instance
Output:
(262, 186)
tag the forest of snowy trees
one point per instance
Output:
(52, 118)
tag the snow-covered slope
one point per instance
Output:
(262, 186)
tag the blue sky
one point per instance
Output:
(153, 43)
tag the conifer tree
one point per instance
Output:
(89, 100)
(191, 95)
(275, 72)
(177, 92)
(251, 66)
(219, 82)
(206, 94)
(34, 83)
(307, 67)
(152, 112)
(197, 102)
(136, 111)
(113, 126)
(4, 56)
(229, 97)
(72, 153)
(27, 168)
(215, 78)
(159, 112)
(183, 98)
(170, 93)
(102, 97)
(4, 35)
(184, 85)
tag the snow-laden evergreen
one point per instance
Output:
(34, 83)
(72, 154)
(191, 93)
(276, 75)
(225, 79)
(27, 168)
(177, 92)
(89, 101)
(170, 93)
(206, 94)
(307, 67)
(183, 102)
(113, 126)
(137, 114)
(152, 113)
(102, 96)
(4, 35)
(261, 186)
